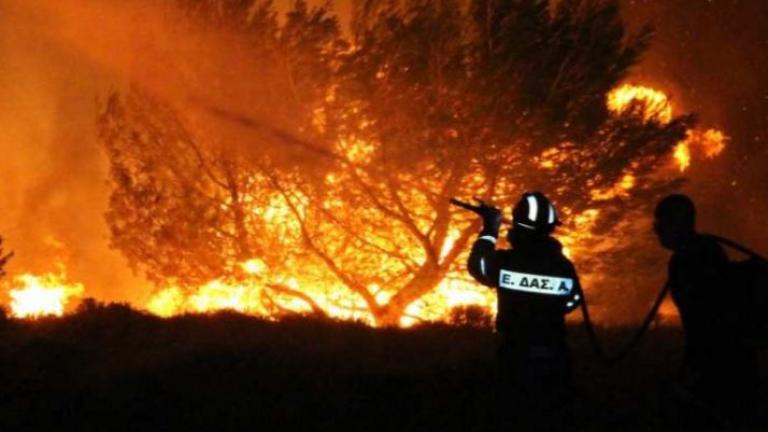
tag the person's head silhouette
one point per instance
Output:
(675, 220)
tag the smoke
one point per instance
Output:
(709, 58)
(52, 172)
(59, 61)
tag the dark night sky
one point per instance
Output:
(712, 57)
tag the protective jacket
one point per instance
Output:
(536, 287)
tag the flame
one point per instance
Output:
(582, 224)
(259, 293)
(249, 296)
(253, 266)
(452, 292)
(654, 104)
(166, 302)
(551, 158)
(713, 142)
(41, 295)
(682, 155)
(709, 143)
(252, 295)
(261, 290)
(620, 189)
(215, 295)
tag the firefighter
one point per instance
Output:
(719, 369)
(536, 286)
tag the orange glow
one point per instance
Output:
(683, 155)
(550, 158)
(41, 295)
(619, 189)
(262, 290)
(654, 104)
(186, 73)
(258, 289)
(215, 295)
(582, 224)
(709, 143)
(253, 266)
(713, 142)
(437, 305)
(248, 296)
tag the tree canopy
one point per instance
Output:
(341, 169)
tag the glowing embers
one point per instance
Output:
(709, 143)
(574, 237)
(712, 141)
(621, 188)
(42, 295)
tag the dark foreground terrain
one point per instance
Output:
(111, 368)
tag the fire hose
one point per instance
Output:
(253, 124)
(649, 318)
(588, 324)
(741, 248)
(655, 308)
(636, 337)
(591, 332)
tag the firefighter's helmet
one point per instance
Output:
(535, 212)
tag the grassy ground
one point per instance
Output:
(111, 368)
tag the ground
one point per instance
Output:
(112, 368)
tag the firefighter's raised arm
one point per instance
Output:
(483, 260)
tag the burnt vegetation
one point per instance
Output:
(356, 141)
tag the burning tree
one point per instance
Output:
(429, 99)
(186, 200)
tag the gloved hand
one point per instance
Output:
(491, 215)
(491, 219)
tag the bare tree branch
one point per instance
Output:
(283, 289)
(329, 262)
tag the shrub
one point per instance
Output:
(470, 316)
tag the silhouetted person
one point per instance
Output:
(719, 369)
(536, 287)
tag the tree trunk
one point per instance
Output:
(425, 280)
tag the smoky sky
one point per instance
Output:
(52, 171)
